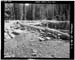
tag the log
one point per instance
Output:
(47, 29)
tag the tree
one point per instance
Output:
(16, 11)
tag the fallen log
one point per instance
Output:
(54, 31)
(57, 31)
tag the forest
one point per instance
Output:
(37, 30)
(19, 11)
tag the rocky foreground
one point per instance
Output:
(26, 39)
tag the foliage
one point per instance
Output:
(37, 11)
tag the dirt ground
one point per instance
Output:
(28, 44)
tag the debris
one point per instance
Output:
(30, 33)
(7, 36)
(34, 54)
(15, 33)
(18, 31)
(35, 50)
(41, 39)
(48, 38)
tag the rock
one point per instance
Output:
(48, 38)
(7, 36)
(34, 54)
(35, 50)
(41, 39)
(15, 33)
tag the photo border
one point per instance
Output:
(37, 2)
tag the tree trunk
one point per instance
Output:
(21, 11)
(24, 12)
(33, 11)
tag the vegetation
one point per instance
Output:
(15, 11)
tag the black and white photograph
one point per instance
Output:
(37, 30)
